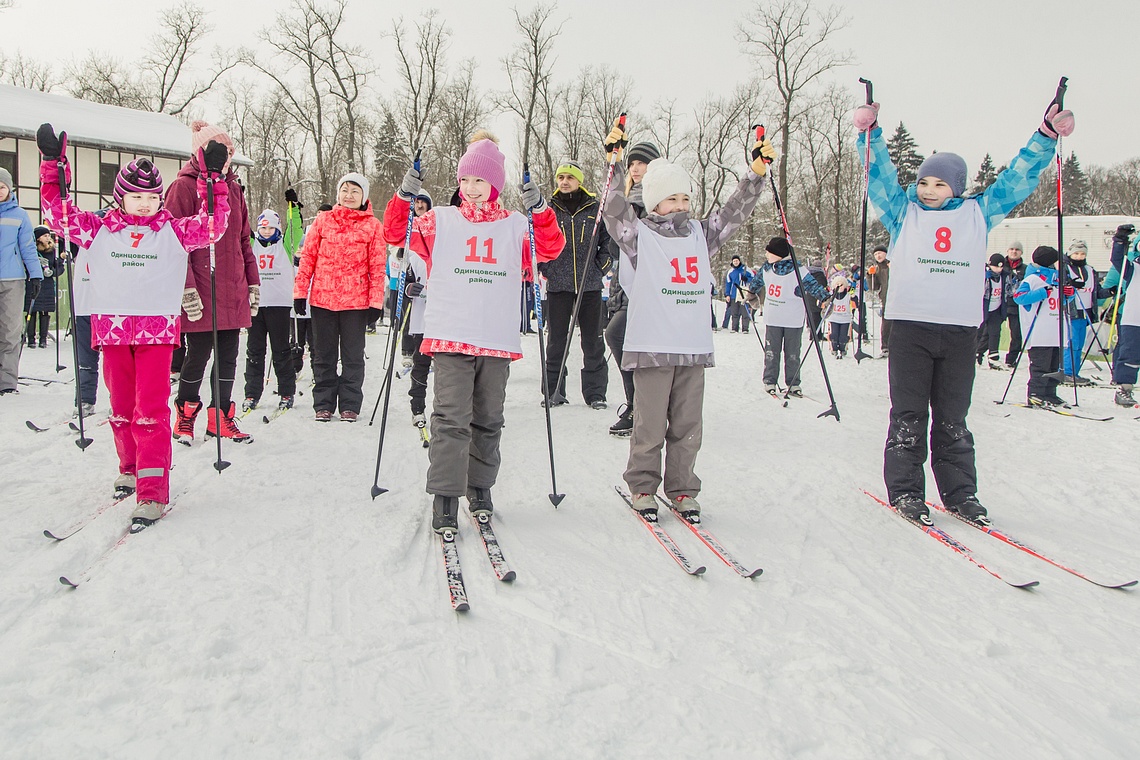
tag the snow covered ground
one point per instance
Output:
(279, 612)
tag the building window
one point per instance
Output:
(107, 175)
(8, 161)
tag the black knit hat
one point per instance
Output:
(642, 151)
(1044, 256)
(997, 260)
(39, 232)
(779, 246)
(879, 247)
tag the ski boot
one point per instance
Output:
(971, 509)
(406, 362)
(445, 516)
(248, 405)
(599, 404)
(223, 425)
(913, 508)
(646, 506)
(624, 425)
(771, 389)
(688, 508)
(480, 503)
(347, 415)
(124, 485)
(286, 402)
(186, 411)
(323, 415)
(1124, 396)
(795, 391)
(146, 513)
(1048, 402)
(87, 410)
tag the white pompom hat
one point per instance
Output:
(662, 179)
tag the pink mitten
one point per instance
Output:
(1057, 123)
(866, 117)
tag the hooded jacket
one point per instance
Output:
(576, 213)
(18, 257)
(344, 260)
(236, 265)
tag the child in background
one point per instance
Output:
(839, 317)
(41, 305)
(665, 273)
(271, 316)
(1082, 312)
(993, 306)
(1040, 317)
(475, 256)
(1126, 353)
(135, 310)
(938, 257)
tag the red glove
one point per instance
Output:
(1069, 291)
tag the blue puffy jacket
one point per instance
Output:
(736, 278)
(18, 257)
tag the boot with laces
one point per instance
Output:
(186, 411)
(224, 426)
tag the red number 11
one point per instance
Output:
(488, 243)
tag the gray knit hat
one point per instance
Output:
(1078, 245)
(948, 167)
(1016, 244)
(6, 178)
(642, 151)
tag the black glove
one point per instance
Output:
(291, 197)
(296, 261)
(1123, 232)
(34, 289)
(51, 147)
(215, 156)
(300, 305)
(374, 314)
(413, 289)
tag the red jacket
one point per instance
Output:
(236, 267)
(344, 258)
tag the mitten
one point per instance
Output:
(192, 304)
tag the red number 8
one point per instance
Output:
(942, 240)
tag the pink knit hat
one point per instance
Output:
(201, 134)
(483, 159)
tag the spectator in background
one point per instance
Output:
(40, 308)
(1014, 276)
(735, 309)
(880, 280)
(18, 262)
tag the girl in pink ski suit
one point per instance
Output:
(137, 343)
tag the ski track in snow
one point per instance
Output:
(278, 611)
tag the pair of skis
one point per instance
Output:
(964, 551)
(453, 570)
(671, 546)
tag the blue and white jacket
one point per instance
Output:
(782, 267)
(1026, 296)
(18, 257)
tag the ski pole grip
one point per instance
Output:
(416, 160)
(759, 128)
(870, 90)
(621, 121)
(526, 173)
(1059, 98)
(62, 178)
(210, 197)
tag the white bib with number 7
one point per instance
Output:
(938, 266)
(275, 267)
(669, 296)
(134, 272)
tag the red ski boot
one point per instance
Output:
(184, 424)
(224, 425)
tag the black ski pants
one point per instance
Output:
(88, 361)
(595, 373)
(304, 330)
(199, 346)
(338, 335)
(989, 333)
(1043, 360)
(271, 322)
(615, 339)
(931, 370)
(1014, 321)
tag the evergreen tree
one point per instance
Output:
(985, 177)
(1077, 191)
(904, 153)
(391, 161)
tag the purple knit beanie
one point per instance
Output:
(139, 176)
(483, 159)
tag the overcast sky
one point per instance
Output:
(966, 76)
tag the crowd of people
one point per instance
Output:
(631, 270)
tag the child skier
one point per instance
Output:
(938, 254)
(1126, 354)
(665, 273)
(1040, 315)
(41, 305)
(784, 314)
(993, 309)
(839, 317)
(271, 317)
(136, 258)
(1082, 312)
(475, 256)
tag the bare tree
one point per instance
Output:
(828, 170)
(666, 128)
(791, 43)
(1116, 190)
(462, 110)
(263, 133)
(718, 144)
(531, 95)
(22, 71)
(422, 66)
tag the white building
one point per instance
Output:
(101, 140)
(1032, 231)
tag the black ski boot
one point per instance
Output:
(445, 515)
(480, 503)
(913, 508)
(971, 509)
(624, 425)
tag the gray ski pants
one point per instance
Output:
(466, 422)
(788, 341)
(668, 407)
(11, 330)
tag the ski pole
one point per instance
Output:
(833, 410)
(58, 367)
(83, 441)
(860, 355)
(752, 319)
(555, 497)
(393, 333)
(1024, 348)
(580, 285)
(1063, 312)
(216, 379)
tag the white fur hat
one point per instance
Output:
(838, 281)
(663, 179)
(357, 179)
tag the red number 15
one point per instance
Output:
(692, 275)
